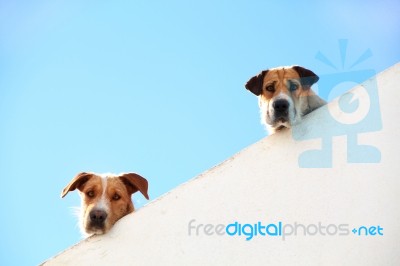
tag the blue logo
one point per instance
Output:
(359, 113)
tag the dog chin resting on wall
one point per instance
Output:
(105, 198)
(284, 95)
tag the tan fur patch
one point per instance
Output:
(284, 95)
(105, 199)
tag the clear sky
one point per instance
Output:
(153, 87)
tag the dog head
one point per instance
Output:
(284, 95)
(105, 198)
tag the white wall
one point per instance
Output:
(265, 183)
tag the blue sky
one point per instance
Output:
(153, 87)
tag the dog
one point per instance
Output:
(106, 198)
(284, 95)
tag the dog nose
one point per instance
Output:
(281, 106)
(98, 216)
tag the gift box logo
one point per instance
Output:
(359, 113)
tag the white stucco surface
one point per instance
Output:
(264, 183)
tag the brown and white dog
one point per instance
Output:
(284, 95)
(105, 198)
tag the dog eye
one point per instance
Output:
(270, 88)
(90, 194)
(293, 86)
(116, 197)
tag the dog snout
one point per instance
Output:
(281, 107)
(98, 216)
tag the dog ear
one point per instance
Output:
(76, 182)
(307, 77)
(255, 83)
(134, 183)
